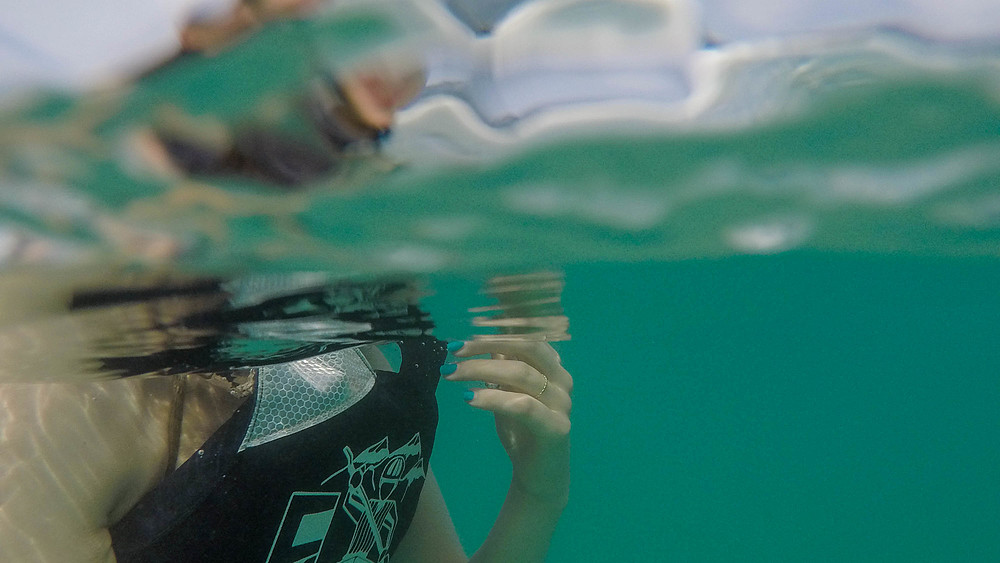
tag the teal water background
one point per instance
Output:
(803, 407)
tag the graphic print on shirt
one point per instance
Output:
(364, 511)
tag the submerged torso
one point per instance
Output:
(282, 481)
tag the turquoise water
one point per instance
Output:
(804, 407)
(783, 306)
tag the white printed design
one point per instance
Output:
(376, 480)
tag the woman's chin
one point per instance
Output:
(367, 109)
(375, 117)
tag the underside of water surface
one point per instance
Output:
(874, 141)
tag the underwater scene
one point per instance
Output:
(763, 237)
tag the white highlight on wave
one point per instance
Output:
(495, 96)
(770, 236)
(608, 205)
(888, 184)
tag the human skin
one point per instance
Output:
(376, 88)
(534, 430)
(74, 458)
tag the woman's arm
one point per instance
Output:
(431, 537)
(532, 409)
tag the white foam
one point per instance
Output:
(606, 206)
(769, 236)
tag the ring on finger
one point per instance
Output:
(545, 385)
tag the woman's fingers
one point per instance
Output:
(536, 353)
(539, 418)
(512, 375)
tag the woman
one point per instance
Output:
(87, 472)
(87, 458)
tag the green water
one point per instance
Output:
(804, 407)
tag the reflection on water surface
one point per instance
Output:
(870, 140)
(170, 325)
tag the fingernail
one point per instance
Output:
(455, 346)
(448, 369)
(469, 395)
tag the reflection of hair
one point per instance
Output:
(255, 153)
(336, 119)
(333, 128)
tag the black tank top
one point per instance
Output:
(344, 489)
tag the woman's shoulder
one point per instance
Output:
(74, 457)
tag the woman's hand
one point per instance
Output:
(531, 403)
(532, 406)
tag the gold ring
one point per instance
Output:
(544, 386)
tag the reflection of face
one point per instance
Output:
(376, 90)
